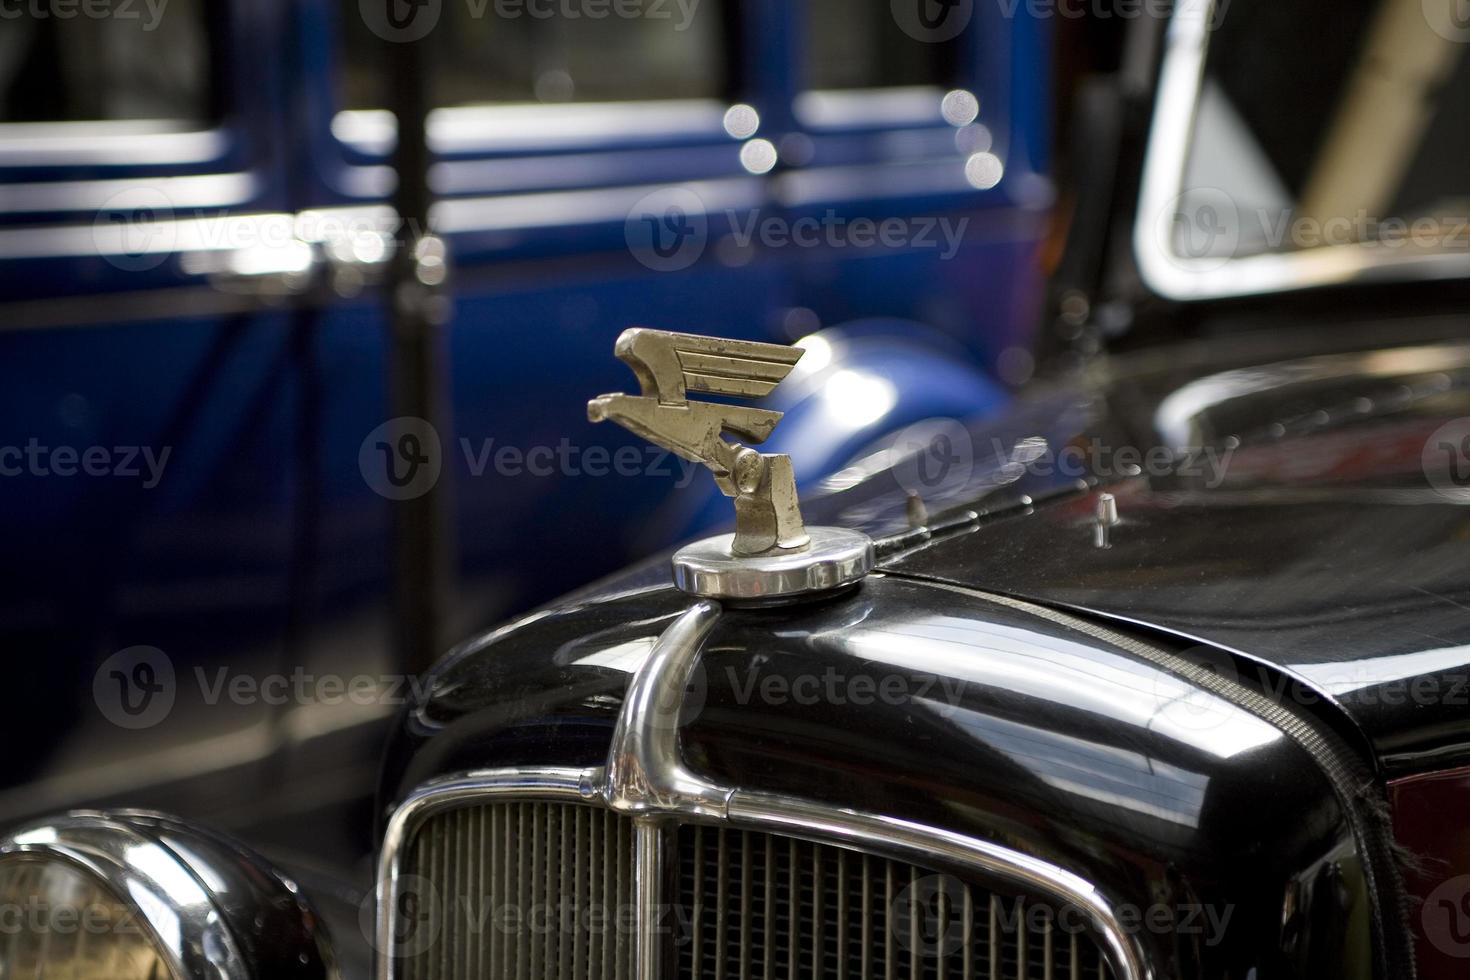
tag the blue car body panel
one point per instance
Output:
(263, 548)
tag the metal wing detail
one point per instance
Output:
(668, 367)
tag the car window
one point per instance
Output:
(108, 61)
(1359, 136)
(859, 44)
(552, 51)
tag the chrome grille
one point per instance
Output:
(765, 907)
(499, 883)
(539, 890)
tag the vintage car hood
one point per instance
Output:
(1298, 529)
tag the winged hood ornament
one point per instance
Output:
(768, 524)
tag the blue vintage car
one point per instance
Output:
(201, 448)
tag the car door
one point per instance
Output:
(559, 140)
(927, 121)
(148, 419)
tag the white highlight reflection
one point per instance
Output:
(857, 399)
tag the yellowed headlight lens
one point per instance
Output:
(57, 922)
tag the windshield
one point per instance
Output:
(1323, 123)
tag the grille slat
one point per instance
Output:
(544, 891)
(768, 907)
(522, 891)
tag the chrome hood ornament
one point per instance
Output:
(772, 554)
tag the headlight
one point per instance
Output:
(55, 920)
(138, 896)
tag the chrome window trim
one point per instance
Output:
(526, 127)
(66, 144)
(646, 778)
(214, 191)
(841, 110)
(1178, 278)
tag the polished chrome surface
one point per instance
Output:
(453, 864)
(646, 776)
(930, 844)
(541, 859)
(1182, 417)
(514, 128)
(1105, 520)
(180, 914)
(649, 891)
(645, 772)
(835, 559)
(669, 366)
(476, 788)
(765, 905)
(1182, 278)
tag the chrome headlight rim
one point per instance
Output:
(210, 908)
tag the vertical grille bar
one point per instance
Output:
(794, 910)
(542, 891)
(523, 891)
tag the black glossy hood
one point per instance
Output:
(1308, 518)
(1315, 548)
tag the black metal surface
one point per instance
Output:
(1322, 556)
(1286, 626)
(962, 713)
